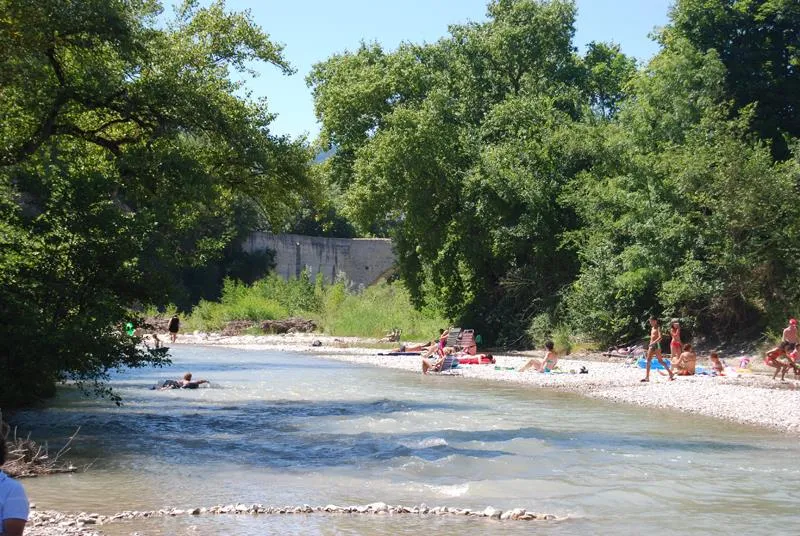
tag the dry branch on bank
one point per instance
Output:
(26, 458)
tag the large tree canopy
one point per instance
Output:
(524, 182)
(459, 149)
(125, 154)
(758, 42)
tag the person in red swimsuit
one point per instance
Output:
(773, 359)
(482, 359)
(675, 343)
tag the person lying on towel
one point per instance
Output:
(413, 347)
(481, 359)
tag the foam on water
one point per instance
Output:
(456, 490)
(427, 443)
(292, 429)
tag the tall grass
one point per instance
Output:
(376, 310)
(338, 311)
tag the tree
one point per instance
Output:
(459, 150)
(680, 210)
(759, 44)
(608, 73)
(123, 152)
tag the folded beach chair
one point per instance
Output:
(453, 338)
(467, 342)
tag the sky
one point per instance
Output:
(313, 30)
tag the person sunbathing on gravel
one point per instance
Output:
(545, 365)
(413, 347)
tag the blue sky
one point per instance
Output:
(312, 30)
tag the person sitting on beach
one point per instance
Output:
(686, 362)
(773, 359)
(437, 365)
(654, 349)
(545, 365)
(185, 383)
(717, 365)
(391, 336)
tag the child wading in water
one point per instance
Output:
(654, 349)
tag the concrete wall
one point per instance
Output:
(362, 260)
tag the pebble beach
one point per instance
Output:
(752, 398)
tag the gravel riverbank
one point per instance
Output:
(753, 398)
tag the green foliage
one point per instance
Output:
(271, 298)
(319, 213)
(369, 313)
(376, 310)
(563, 339)
(126, 156)
(759, 45)
(683, 212)
(541, 329)
(429, 142)
(608, 73)
(519, 180)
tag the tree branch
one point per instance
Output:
(45, 129)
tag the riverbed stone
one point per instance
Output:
(492, 512)
(378, 507)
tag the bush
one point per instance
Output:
(374, 311)
(540, 329)
(562, 339)
(369, 313)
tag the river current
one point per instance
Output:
(291, 429)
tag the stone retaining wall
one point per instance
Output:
(362, 260)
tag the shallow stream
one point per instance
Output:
(289, 429)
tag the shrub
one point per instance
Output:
(540, 329)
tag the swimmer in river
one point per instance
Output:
(185, 383)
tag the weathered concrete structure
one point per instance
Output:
(362, 260)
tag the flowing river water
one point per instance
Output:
(289, 429)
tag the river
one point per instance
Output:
(289, 429)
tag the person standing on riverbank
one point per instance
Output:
(174, 327)
(790, 334)
(675, 343)
(654, 349)
(14, 506)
